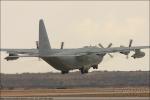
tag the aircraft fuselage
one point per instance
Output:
(66, 63)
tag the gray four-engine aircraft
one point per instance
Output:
(70, 59)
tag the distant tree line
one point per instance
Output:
(75, 79)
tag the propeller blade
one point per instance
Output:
(62, 45)
(110, 55)
(101, 45)
(37, 44)
(130, 43)
(109, 45)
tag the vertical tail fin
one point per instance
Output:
(44, 45)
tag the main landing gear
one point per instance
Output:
(83, 70)
(95, 66)
(64, 72)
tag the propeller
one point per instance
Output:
(100, 45)
(127, 53)
(130, 44)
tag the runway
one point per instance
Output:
(101, 98)
(75, 98)
(78, 92)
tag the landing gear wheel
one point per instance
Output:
(95, 66)
(65, 72)
(83, 70)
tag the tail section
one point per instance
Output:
(44, 45)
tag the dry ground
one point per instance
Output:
(91, 92)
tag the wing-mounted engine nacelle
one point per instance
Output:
(12, 56)
(125, 53)
(138, 54)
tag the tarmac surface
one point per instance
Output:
(79, 92)
(127, 93)
(75, 98)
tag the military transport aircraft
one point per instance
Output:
(70, 59)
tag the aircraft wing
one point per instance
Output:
(20, 51)
(121, 49)
(100, 51)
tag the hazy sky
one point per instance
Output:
(78, 24)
